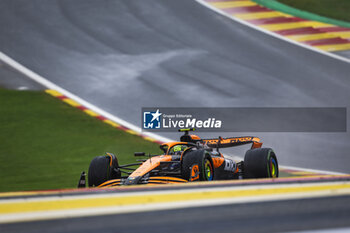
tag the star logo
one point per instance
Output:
(156, 115)
(152, 120)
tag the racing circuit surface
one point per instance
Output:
(124, 55)
(281, 205)
(331, 213)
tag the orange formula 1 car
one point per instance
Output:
(191, 159)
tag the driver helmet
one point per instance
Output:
(178, 149)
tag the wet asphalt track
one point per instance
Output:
(294, 215)
(266, 216)
(122, 55)
(12, 79)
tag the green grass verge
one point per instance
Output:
(336, 9)
(45, 143)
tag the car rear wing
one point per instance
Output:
(233, 141)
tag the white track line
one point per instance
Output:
(46, 83)
(328, 230)
(312, 170)
(272, 33)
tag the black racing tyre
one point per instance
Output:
(260, 163)
(102, 169)
(202, 160)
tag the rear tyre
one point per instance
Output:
(260, 163)
(103, 168)
(197, 165)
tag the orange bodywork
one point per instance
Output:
(110, 159)
(194, 173)
(218, 161)
(195, 137)
(152, 181)
(110, 183)
(165, 180)
(232, 140)
(256, 145)
(150, 164)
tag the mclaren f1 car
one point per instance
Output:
(190, 159)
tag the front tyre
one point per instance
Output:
(197, 166)
(103, 168)
(260, 163)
